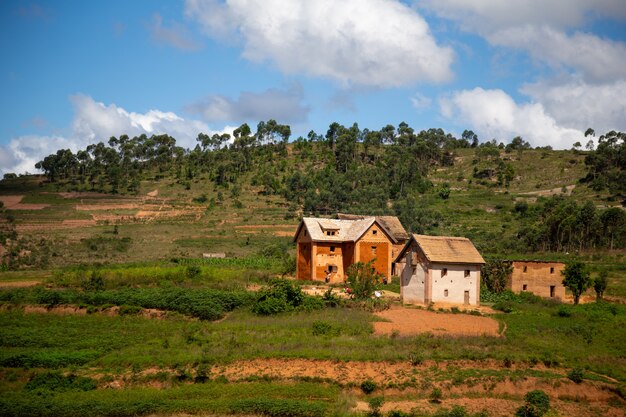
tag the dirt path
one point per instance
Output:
(410, 321)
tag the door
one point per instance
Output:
(466, 301)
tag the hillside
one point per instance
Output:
(503, 198)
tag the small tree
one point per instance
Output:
(537, 404)
(577, 279)
(362, 279)
(495, 273)
(600, 284)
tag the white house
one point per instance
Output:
(439, 269)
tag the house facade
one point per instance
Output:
(393, 225)
(542, 278)
(325, 248)
(439, 269)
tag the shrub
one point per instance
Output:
(280, 296)
(564, 311)
(436, 396)
(504, 306)
(322, 328)
(362, 280)
(192, 271)
(127, 310)
(576, 375)
(368, 386)
(375, 404)
(56, 381)
(537, 404)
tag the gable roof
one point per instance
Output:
(391, 223)
(345, 230)
(445, 249)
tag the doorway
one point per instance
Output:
(466, 300)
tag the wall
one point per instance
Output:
(413, 280)
(537, 278)
(303, 256)
(375, 237)
(456, 283)
(324, 257)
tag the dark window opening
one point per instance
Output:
(332, 268)
(552, 288)
(332, 248)
(524, 287)
(374, 250)
(525, 268)
(467, 273)
(445, 293)
(552, 270)
(374, 232)
(444, 272)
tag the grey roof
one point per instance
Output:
(345, 230)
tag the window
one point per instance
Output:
(305, 233)
(374, 250)
(332, 249)
(525, 268)
(524, 287)
(467, 273)
(332, 268)
(552, 288)
(445, 293)
(552, 270)
(374, 232)
(444, 272)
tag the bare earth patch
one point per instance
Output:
(409, 321)
(553, 191)
(13, 202)
(19, 284)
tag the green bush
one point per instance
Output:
(436, 395)
(375, 404)
(576, 375)
(56, 381)
(280, 296)
(368, 386)
(323, 328)
(126, 310)
(537, 404)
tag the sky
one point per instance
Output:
(75, 72)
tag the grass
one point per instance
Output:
(299, 399)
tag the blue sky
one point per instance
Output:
(75, 72)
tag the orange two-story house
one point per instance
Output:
(327, 247)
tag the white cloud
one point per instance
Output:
(420, 102)
(580, 105)
(487, 16)
(543, 29)
(595, 58)
(494, 114)
(94, 122)
(177, 35)
(282, 105)
(380, 43)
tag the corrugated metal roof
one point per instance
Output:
(447, 249)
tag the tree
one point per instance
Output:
(600, 284)
(495, 273)
(362, 279)
(577, 279)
